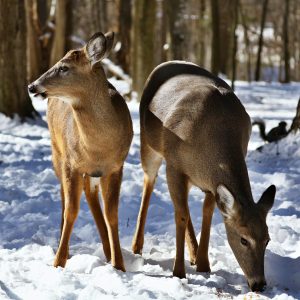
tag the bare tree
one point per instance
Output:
(143, 49)
(125, 20)
(215, 19)
(59, 42)
(234, 39)
(175, 10)
(261, 39)
(14, 98)
(34, 55)
(202, 32)
(99, 14)
(287, 77)
(246, 41)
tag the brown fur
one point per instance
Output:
(196, 123)
(90, 136)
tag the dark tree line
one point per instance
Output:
(245, 39)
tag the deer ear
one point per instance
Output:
(96, 48)
(266, 200)
(225, 201)
(109, 42)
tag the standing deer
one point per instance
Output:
(195, 122)
(91, 132)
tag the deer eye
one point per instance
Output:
(63, 69)
(244, 242)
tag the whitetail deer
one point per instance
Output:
(194, 121)
(91, 132)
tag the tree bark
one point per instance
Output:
(287, 77)
(175, 10)
(14, 98)
(34, 54)
(202, 32)
(226, 27)
(59, 42)
(296, 121)
(125, 20)
(215, 19)
(142, 55)
(99, 13)
(261, 40)
(247, 43)
(234, 38)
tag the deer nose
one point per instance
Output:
(258, 286)
(32, 88)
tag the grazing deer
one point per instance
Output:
(195, 122)
(91, 132)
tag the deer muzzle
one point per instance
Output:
(257, 285)
(37, 90)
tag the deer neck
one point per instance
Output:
(236, 178)
(95, 115)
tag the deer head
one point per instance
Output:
(71, 77)
(247, 232)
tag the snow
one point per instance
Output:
(30, 212)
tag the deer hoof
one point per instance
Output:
(119, 267)
(60, 262)
(136, 248)
(179, 273)
(203, 268)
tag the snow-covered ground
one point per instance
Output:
(30, 212)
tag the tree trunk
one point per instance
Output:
(160, 38)
(175, 10)
(33, 45)
(261, 40)
(296, 121)
(234, 48)
(142, 55)
(43, 8)
(202, 32)
(59, 42)
(215, 56)
(247, 43)
(287, 77)
(99, 13)
(123, 54)
(14, 98)
(226, 27)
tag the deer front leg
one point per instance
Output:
(62, 195)
(178, 187)
(110, 190)
(202, 260)
(92, 196)
(191, 241)
(72, 187)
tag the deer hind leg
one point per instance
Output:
(91, 190)
(62, 195)
(110, 186)
(178, 187)
(72, 187)
(151, 161)
(202, 261)
(191, 241)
